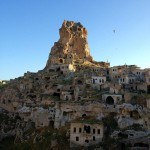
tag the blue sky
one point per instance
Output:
(28, 29)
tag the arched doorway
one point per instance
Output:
(109, 100)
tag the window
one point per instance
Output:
(87, 129)
(93, 138)
(93, 131)
(98, 131)
(77, 138)
(80, 130)
(74, 130)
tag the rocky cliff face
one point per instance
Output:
(72, 45)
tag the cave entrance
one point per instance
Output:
(122, 135)
(61, 60)
(56, 94)
(80, 82)
(84, 115)
(109, 100)
(58, 69)
(87, 141)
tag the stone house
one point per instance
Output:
(25, 113)
(139, 73)
(85, 133)
(67, 68)
(112, 99)
(115, 88)
(40, 116)
(127, 79)
(65, 95)
(98, 80)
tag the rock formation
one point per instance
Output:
(72, 45)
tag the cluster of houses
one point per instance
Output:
(73, 87)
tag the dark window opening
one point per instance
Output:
(100, 87)
(56, 94)
(84, 115)
(77, 138)
(79, 98)
(148, 89)
(87, 141)
(67, 98)
(51, 124)
(131, 134)
(87, 129)
(122, 135)
(80, 82)
(61, 61)
(74, 130)
(80, 130)
(98, 131)
(93, 131)
(135, 87)
(93, 138)
(58, 69)
(93, 81)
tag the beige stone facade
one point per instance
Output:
(85, 134)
